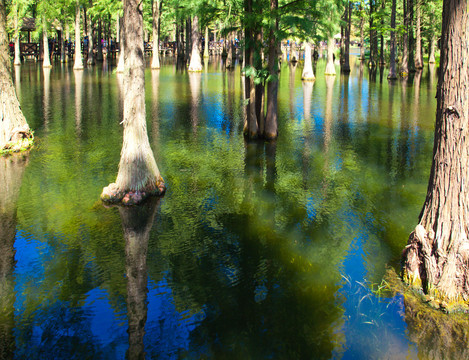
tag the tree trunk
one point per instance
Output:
(155, 63)
(196, 62)
(362, 34)
(330, 68)
(404, 70)
(271, 128)
(99, 55)
(78, 60)
(418, 41)
(251, 128)
(46, 63)
(14, 130)
(90, 60)
(229, 45)
(120, 63)
(17, 60)
(437, 253)
(206, 42)
(138, 175)
(348, 17)
(431, 56)
(308, 74)
(410, 10)
(392, 56)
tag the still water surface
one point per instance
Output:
(257, 251)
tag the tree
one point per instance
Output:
(196, 62)
(392, 56)
(14, 130)
(437, 252)
(155, 63)
(138, 175)
(78, 60)
(418, 61)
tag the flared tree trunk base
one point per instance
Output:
(442, 277)
(113, 195)
(21, 139)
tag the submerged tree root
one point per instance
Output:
(21, 139)
(113, 195)
(437, 334)
(441, 275)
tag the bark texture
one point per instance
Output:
(418, 38)
(308, 74)
(15, 134)
(138, 175)
(404, 70)
(46, 63)
(155, 62)
(78, 65)
(271, 123)
(392, 56)
(437, 255)
(330, 68)
(196, 61)
(346, 51)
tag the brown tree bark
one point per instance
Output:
(251, 129)
(345, 68)
(404, 69)
(436, 257)
(138, 175)
(362, 34)
(271, 126)
(418, 39)
(392, 56)
(14, 130)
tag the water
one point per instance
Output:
(256, 251)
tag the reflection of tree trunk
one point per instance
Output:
(437, 253)
(11, 174)
(194, 83)
(136, 223)
(46, 96)
(78, 99)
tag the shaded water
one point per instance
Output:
(259, 250)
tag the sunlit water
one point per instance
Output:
(257, 251)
